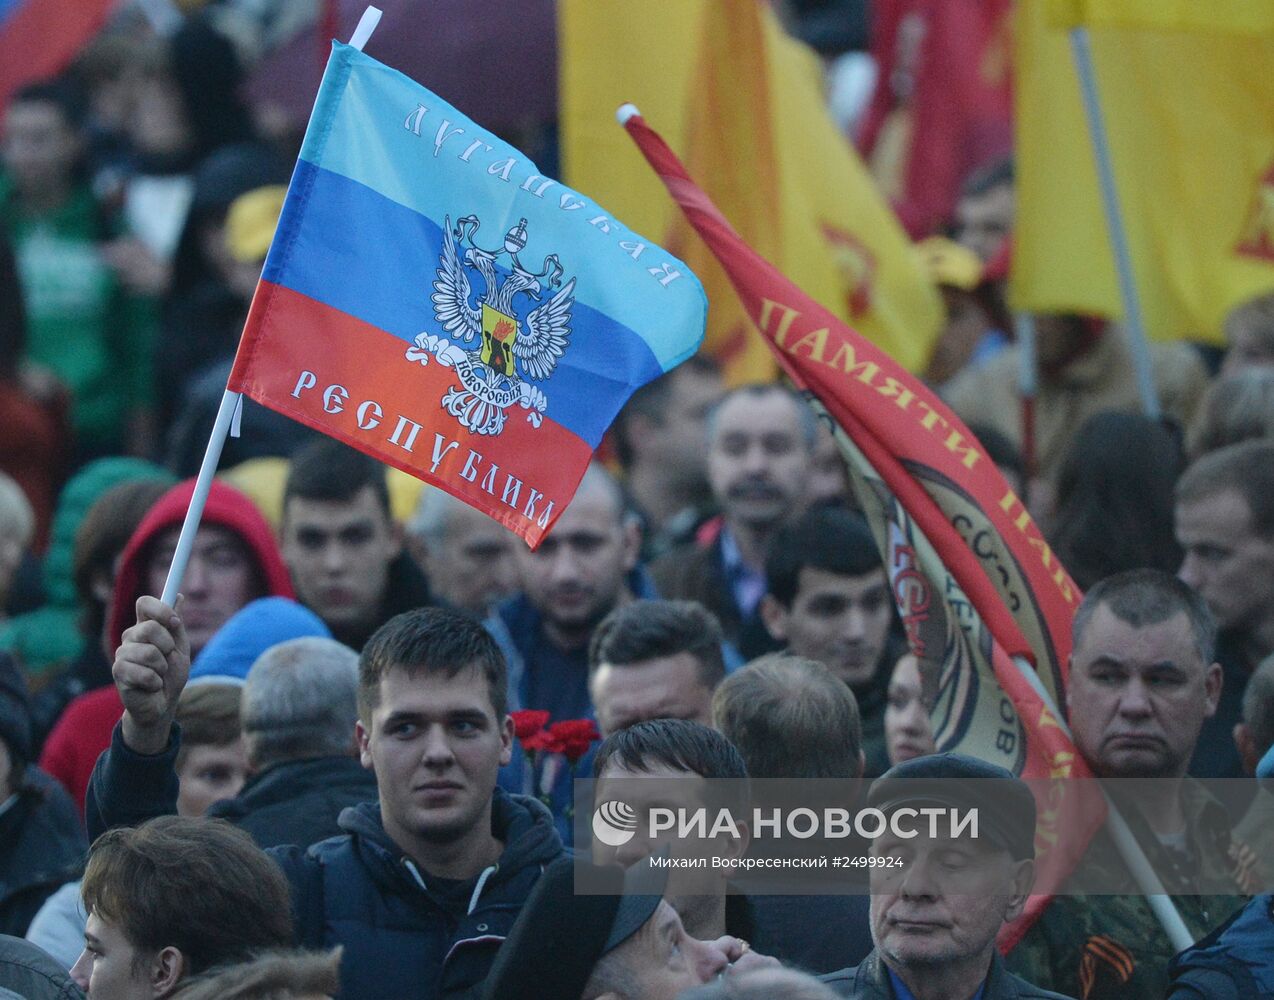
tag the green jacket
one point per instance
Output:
(51, 634)
(1106, 942)
(81, 323)
(870, 981)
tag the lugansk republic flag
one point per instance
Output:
(1185, 94)
(976, 585)
(432, 299)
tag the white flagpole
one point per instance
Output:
(366, 25)
(1134, 326)
(230, 403)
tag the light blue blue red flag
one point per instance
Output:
(433, 300)
(38, 38)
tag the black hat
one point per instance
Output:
(1005, 804)
(15, 710)
(560, 935)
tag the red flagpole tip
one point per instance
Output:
(625, 112)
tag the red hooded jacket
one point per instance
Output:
(84, 730)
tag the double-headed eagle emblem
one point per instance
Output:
(510, 352)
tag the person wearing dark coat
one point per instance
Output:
(202, 314)
(761, 441)
(872, 981)
(28, 972)
(41, 839)
(796, 723)
(300, 704)
(1236, 960)
(419, 889)
(935, 931)
(299, 802)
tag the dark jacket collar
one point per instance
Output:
(523, 824)
(870, 981)
(286, 780)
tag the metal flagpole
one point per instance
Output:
(1125, 841)
(1028, 387)
(1134, 327)
(230, 403)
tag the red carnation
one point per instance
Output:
(536, 742)
(572, 738)
(527, 722)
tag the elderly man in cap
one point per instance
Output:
(939, 901)
(617, 941)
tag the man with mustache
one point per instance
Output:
(1142, 681)
(761, 442)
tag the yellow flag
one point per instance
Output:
(1208, 16)
(750, 119)
(1189, 119)
(611, 52)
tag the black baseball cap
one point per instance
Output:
(560, 935)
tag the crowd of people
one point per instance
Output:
(345, 762)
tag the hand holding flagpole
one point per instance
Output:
(231, 402)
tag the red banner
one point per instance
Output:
(933, 452)
(943, 102)
(997, 596)
(39, 38)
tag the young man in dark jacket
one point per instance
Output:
(422, 889)
(342, 545)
